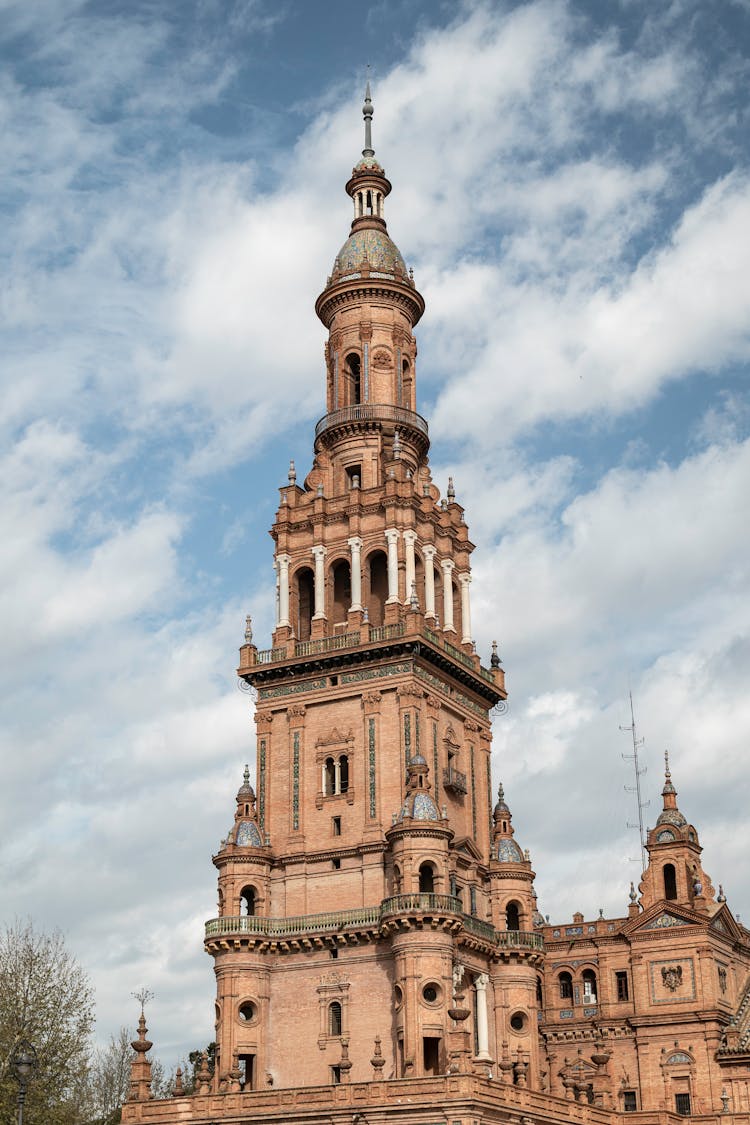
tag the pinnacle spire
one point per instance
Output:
(367, 112)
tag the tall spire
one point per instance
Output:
(367, 112)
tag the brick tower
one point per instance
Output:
(369, 876)
(379, 956)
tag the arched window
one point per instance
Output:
(342, 591)
(247, 901)
(670, 881)
(426, 879)
(512, 916)
(329, 777)
(343, 774)
(539, 992)
(588, 977)
(565, 981)
(378, 594)
(353, 373)
(305, 602)
(396, 879)
(368, 204)
(334, 1018)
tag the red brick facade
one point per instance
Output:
(377, 948)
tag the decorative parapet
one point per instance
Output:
(378, 918)
(390, 1102)
(371, 412)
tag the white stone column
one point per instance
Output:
(337, 776)
(410, 538)
(429, 580)
(392, 539)
(483, 1038)
(283, 564)
(464, 581)
(355, 546)
(448, 626)
(319, 554)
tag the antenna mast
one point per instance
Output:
(639, 771)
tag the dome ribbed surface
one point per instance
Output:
(373, 247)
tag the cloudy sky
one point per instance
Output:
(571, 186)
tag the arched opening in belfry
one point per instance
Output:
(379, 203)
(438, 582)
(512, 916)
(360, 203)
(670, 881)
(305, 602)
(342, 591)
(377, 566)
(368, 203)
(426, 879)
(329, 777)
(247, 901)
(354, 378)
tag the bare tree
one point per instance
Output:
(109, 1078)
(45, 997)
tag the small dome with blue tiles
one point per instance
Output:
(508, 851)
(419, 806)
(372, 248)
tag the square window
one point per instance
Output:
(336, 1075)
(336, 863)
(629, 1104)
(336, 825)
(621, 980)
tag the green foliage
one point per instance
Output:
(45, 997)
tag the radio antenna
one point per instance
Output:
(639, 772)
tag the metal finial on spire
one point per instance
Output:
(246, 775)
(667, 774)
(367, 112)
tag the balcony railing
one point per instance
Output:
(371, 916)
(424, 902)
(371, 412)
(297, 924)
(454, 780)
(326, 644)
(377, 633)
(387, 632)
(519, 939)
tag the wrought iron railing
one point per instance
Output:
(372, 412)
(455, 780)
(476, 926)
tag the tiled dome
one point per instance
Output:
(373, 246)
(508, 851)
(248, 835)
(419, 806)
